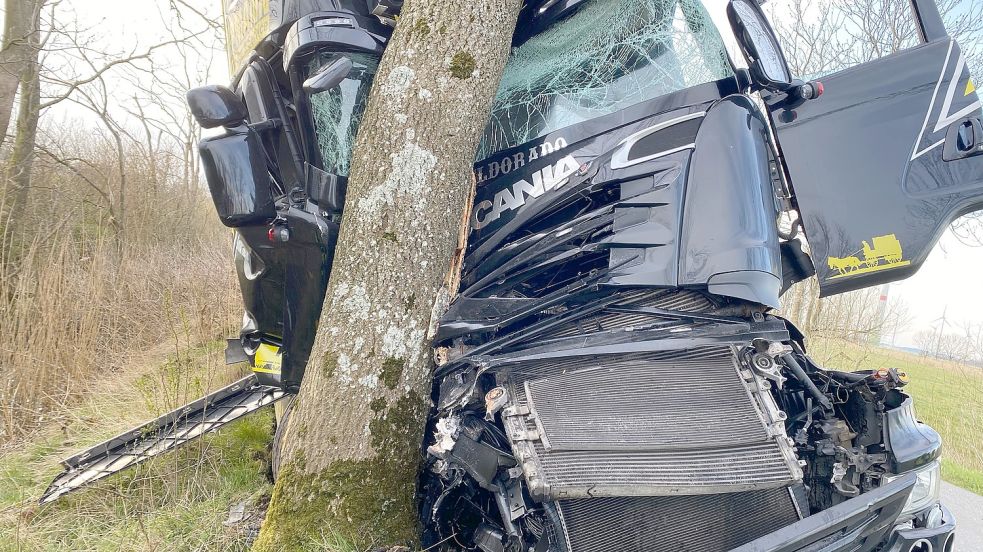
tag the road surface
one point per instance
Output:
(968, 509)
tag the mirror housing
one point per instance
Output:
(768, 67)
(239, 182)
(328, 76)
(214, 106)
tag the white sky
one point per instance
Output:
(950, 280)
(133, 22)
(125, 28)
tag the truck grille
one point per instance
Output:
(707, 523)
(681, 423)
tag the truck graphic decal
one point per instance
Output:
(885, 253)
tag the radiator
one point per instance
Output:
(701, 523)
(642, 425)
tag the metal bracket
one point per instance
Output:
(515, 411)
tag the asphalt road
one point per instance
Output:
(968, 509)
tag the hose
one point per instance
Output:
(804, 379)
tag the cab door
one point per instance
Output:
(884, 159)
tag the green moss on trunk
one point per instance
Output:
(329, 363)
(462, 65)
(366, 502)
(392, 371)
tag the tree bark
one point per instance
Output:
(20, 38)
(17, 173)
(352, 446)
(21, 160)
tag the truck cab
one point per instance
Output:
(637, 161)
(818, 149)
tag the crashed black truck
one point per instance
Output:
(651, 180)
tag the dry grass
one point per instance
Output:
(113, 306)
(103, 262)
(177, 501)
(75, 311)
(96, 342)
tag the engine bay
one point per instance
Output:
(730, 441)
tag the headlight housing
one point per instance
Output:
(926, 492)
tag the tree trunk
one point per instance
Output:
(17, 181)
(353, 443)
(17, 174)
(20, 39)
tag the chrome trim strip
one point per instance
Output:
(619, 159)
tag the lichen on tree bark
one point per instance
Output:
(352, 447)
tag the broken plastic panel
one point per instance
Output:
(168, 432)
(607, 56)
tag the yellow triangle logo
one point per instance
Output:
(970, 88)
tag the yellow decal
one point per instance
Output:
(267, 359)
(970, 87)
(885, 254)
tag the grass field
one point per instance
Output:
(177, 501)
(948, 396)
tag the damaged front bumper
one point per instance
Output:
(677, 441)
(935, 529)
(865, 523)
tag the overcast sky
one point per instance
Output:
(950, 280)
(138, 21)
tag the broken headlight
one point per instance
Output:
(925, 493)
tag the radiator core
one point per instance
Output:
(655, 424)
(704, 523)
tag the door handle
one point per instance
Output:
(963, 139)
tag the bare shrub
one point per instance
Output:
(79, 301)
(856, 316)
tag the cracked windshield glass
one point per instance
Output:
(605, 57)
(337, 112)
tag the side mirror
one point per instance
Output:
(768, 66)
(328, 76)
(214, 106)
(238, 179)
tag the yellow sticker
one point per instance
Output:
(267, 359)
(970, 87)
(883, 255)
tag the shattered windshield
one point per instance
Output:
(607, 56)
(338, 112)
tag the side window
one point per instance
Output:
(337, 112)
(820, 37)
